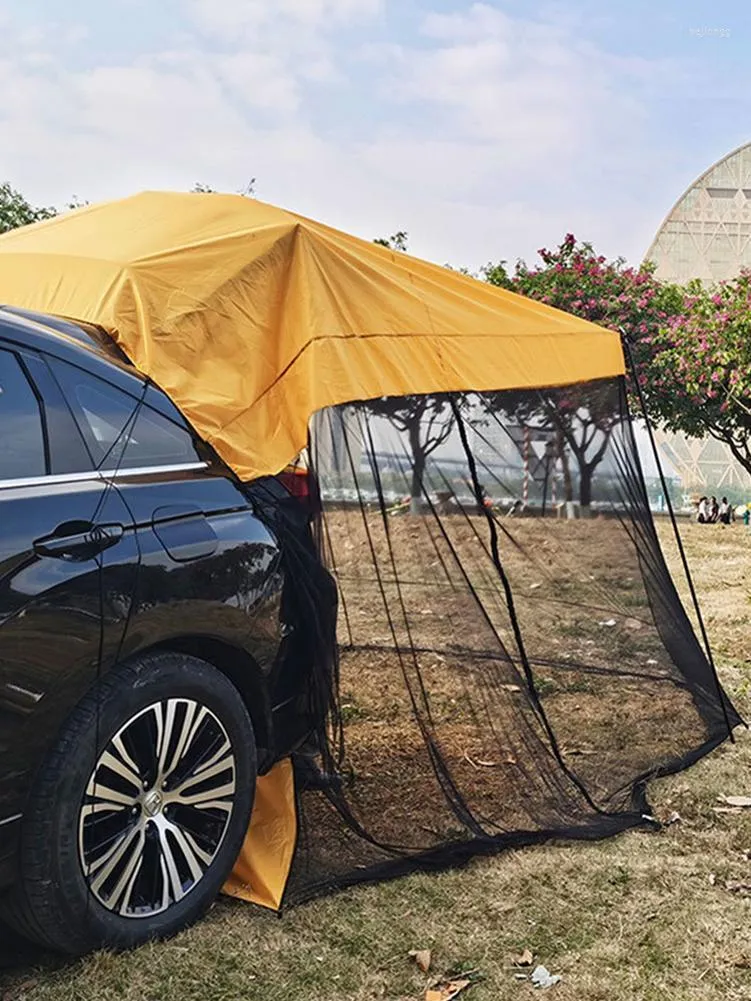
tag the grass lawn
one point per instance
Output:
(642, 916)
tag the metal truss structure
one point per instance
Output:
(707, 233)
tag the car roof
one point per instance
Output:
(85, 333)
(77, 343)
(88, 347)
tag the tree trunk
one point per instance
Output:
(568, 486)
(740, 453)
(585, 484)
(418, 467)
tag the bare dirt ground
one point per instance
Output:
(616, 704)
(639, 917)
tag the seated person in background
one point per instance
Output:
(725, 512)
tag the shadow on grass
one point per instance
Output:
(19, 957)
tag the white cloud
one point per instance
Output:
(232, 19)
(260, 80)
(270, 49)
(531, 129)
(502, 132)
(531, 90)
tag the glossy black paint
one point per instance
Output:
(98, 567)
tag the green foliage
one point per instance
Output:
(16, 211)
(204, 189)
(397, 241)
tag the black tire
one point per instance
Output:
(63, 898)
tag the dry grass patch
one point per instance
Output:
(641, 917)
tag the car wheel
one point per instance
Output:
(140, 810)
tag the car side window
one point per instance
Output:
(101, 410)
(154, 440)
(122, 433)
(23, 450)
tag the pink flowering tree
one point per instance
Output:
(612, 294)
(698, 376)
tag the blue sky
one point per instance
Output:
(486, 130)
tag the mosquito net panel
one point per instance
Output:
(514, 661)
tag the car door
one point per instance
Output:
(68, 562)
(209, 567)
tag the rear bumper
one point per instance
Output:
(10, 830)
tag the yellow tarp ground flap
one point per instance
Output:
(261, 871)
(252, 318)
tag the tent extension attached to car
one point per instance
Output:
(252, 318)
(504, 675)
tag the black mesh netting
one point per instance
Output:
(514, 660)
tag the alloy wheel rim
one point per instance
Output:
(157, 808)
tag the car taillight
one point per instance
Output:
(301, 484)
(297, 482)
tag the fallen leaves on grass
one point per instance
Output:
(422, 958)
(447, 990)
(738, 801)
(523, 959)
(454, 980)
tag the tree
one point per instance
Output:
(427, 422)
(16, 211)
(204, 189)
(612, 294)
(696, 373)
(398, 241)
(578, 421)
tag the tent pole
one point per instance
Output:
(525, 487)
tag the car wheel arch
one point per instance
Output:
(242, 670)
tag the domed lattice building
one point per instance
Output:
(707, 233)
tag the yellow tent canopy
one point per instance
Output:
(252, 318)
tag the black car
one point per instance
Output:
(159, 621)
